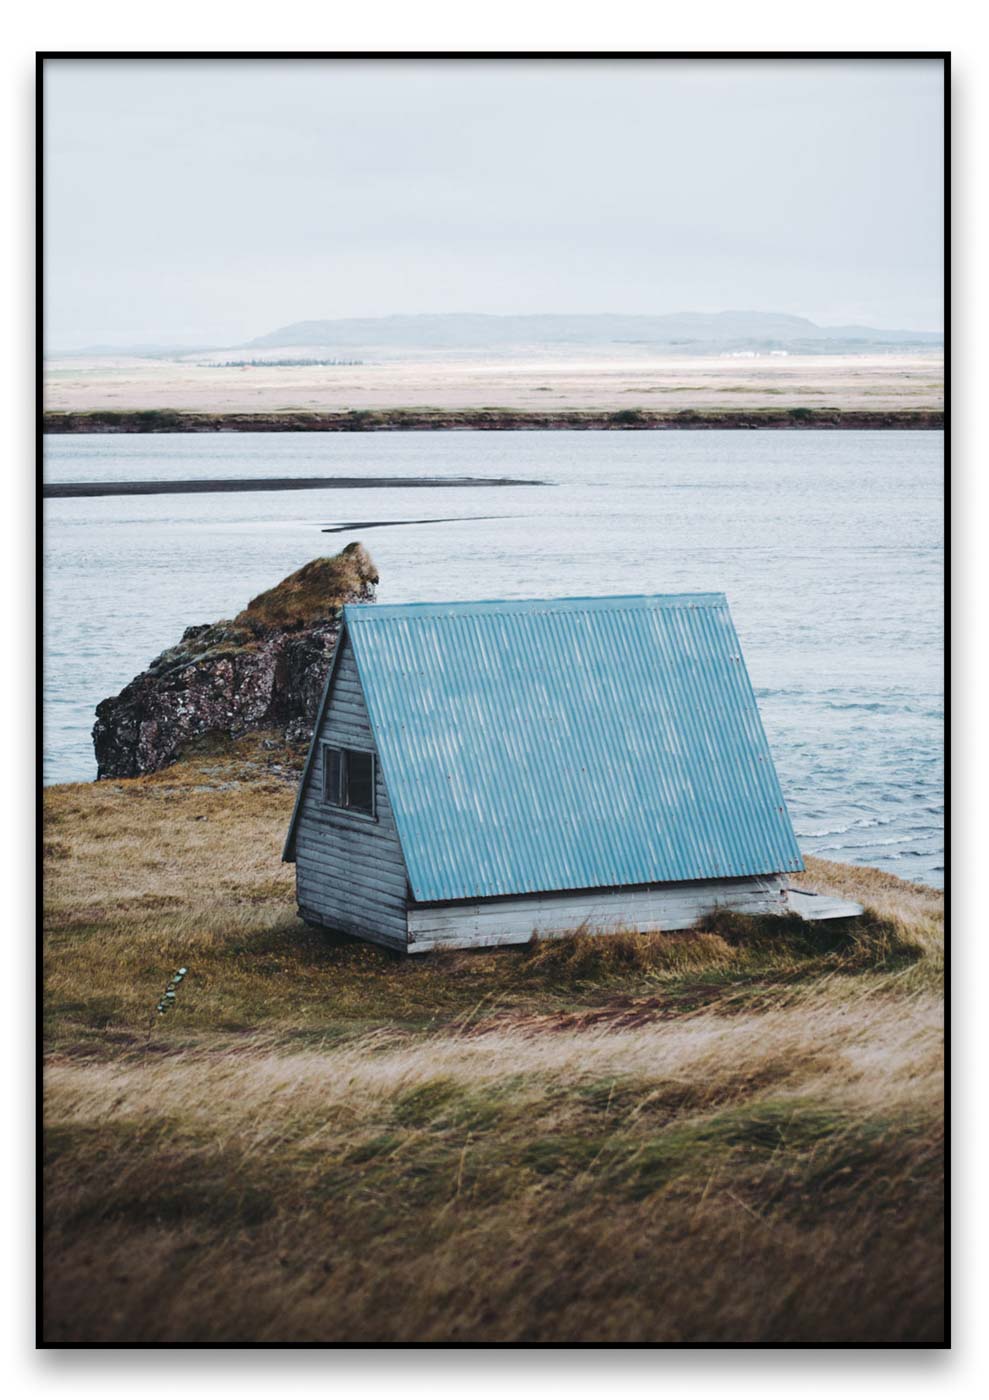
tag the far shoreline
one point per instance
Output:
(487, 420)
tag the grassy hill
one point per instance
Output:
(728, 1135)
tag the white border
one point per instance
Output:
(184, 25)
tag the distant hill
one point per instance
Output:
(687, 332)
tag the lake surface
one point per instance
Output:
(828, 545)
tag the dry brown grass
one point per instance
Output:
(315, 591)
(725, 1136)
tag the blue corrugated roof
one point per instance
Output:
(569, 743)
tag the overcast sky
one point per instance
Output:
(209, 202)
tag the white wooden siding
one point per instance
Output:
(491, 922)
(349, 870)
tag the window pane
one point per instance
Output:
(360, 781)
(331, 775)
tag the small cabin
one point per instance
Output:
(482, 772)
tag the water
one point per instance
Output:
(828, 545)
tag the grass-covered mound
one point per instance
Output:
(317, 590)
(732, 1134)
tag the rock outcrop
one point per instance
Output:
(264, 669)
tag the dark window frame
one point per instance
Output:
(340, 801)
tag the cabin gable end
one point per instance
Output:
(350, 869)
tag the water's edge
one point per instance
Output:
(166, 420)
(828, 546)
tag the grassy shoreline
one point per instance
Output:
(484, 420)
(729, 1135)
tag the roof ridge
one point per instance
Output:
(606, 602)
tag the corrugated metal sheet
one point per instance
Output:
(569, 743)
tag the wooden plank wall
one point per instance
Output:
(658, 908)
(350, 873)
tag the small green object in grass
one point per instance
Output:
(166, 1000)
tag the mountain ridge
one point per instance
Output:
(477, 330)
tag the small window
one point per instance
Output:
(348, 779)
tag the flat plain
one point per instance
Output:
(536, 382)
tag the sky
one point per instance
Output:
(207, 202)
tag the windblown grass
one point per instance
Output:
(729, 1135)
